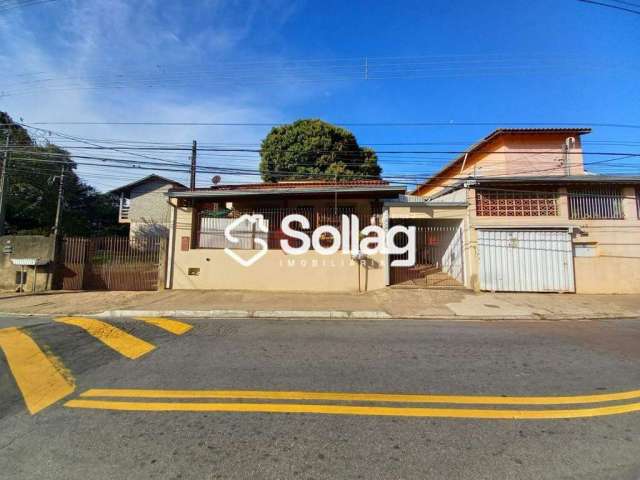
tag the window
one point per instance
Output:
(638, 201)
(510, 203)
(211, 226)
(595, 203)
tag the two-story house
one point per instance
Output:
(144, 205)
(524, 215)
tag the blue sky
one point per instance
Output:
(548, 61)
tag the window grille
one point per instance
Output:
(595, 203)
(211, 226)
(509, 203)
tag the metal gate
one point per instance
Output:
(526, 260)
(112, 263)
(439, 260)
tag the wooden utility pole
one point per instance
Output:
(4, 183)
(194, 151)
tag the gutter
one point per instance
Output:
(280, 191)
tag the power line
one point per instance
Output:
(390, 152)
(301, 70)
(128, 164)
(232, 147)
(81, 140)
(631, 4)
(450, 123)
(611, 6)
(11, 5)
(160, 164)
(257, 150)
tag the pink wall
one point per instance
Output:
(534, 154)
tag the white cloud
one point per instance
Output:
(91, 41)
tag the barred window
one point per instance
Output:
(212, 225)
(595, 203)
(509, 203)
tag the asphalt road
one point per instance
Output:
(388, 357)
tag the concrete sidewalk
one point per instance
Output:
(386, 303)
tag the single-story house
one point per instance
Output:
(201, 256)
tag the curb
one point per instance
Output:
(272, 314)
(347, 315)
(323, 315)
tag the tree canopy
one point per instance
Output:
(33, 172)
(311, 149)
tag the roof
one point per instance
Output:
(498, 133)
(562, 180)
(300, 184)
(149, 178)
(545, 180)
(292, 188)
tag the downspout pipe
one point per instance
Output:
(171, 247)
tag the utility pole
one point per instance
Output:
(56, 226)
(4, 182)
(194, 151)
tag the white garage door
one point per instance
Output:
(525, 260)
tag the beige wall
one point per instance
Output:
(421, 212)
(614, 269)
(276, 271)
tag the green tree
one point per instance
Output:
(33, 172)
(315, 150)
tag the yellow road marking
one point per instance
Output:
(353, 410)
(119, 340)
(38, 375)
(362, 397)
(172, 326)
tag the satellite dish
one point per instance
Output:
(216, 179)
